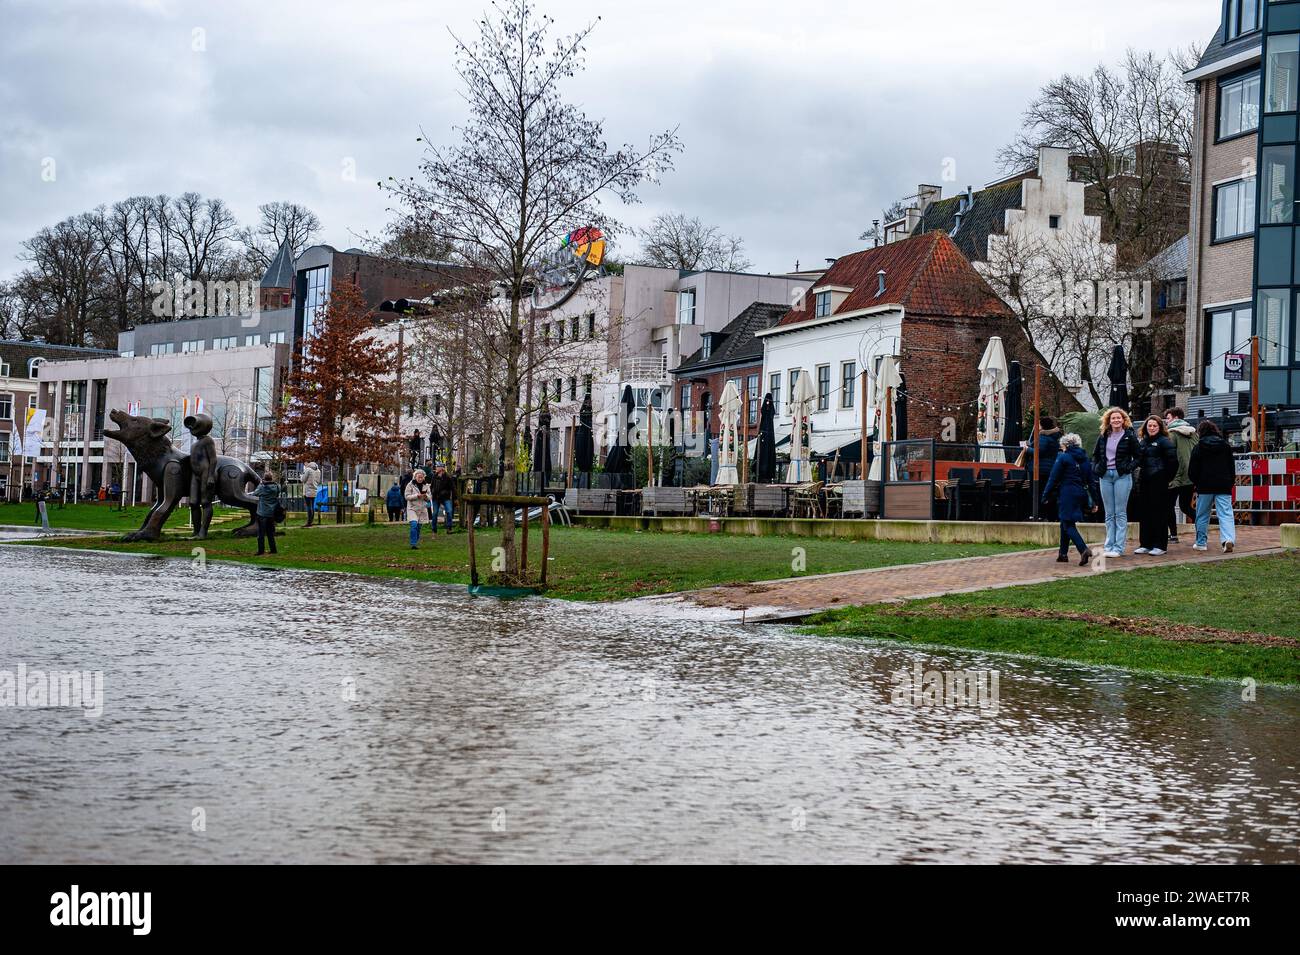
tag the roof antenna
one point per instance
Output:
(875, 231)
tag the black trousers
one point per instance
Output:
(265, 533)
(1180, 499)
(311, 508)
(1153, 514)
(1070, 535)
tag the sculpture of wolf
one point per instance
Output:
(170, 472)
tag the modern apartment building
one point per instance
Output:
(1244, 249)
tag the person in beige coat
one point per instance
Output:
(310, 485)
(418, 501)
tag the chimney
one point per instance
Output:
(880, 283)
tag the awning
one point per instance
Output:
(847, 443)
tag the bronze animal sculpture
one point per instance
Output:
(171, 473)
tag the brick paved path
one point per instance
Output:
(798, 596)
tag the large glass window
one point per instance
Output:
(1234, 209)
(313, 307)
(1229, 332)
(794, 380)
(823, 387)
(686, 307)
(1238, 105)
(848, 383)
(1280, 73)
(774, 389)
(752, 384)
(160, 348)
(1274, 327)
(6, 407)
(1277, 184)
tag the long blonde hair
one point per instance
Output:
(1105, 419)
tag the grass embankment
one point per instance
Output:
(1226, 619)
(105, 516)
(587, 564)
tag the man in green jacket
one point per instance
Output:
(1181, 488)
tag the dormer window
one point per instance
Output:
(34, 367)
(1241, 17)
(822, 304)
(706, 348)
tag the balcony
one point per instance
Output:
(644, 369)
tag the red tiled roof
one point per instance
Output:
(926, 274)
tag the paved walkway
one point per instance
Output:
(799, 596)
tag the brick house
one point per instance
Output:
(732, 353)
(919, 300)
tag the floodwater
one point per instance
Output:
(255, 715)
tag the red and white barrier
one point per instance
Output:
(1268, 482)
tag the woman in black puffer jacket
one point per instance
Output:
(1157, 464)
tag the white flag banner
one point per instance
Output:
(32, 429)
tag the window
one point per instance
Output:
(4, 447)
(1280, 73)
(1053, 222)
(437, 404)
(794, 380)
(6, 407)
(751, 384)
(34, 367)
(4, 369)
(230, 341)
(252, 340)
(1241, 17)
(822, 304)
(848, 383)
(559, 389)
(823, 387)
(313, 304)
(591, 324)
(194, 345)
(1238, 105)
(1274, 325)
(685, 406)
(1234, 210)
(1277, 184)
(706, 346)
(31, 401)
(126, 354)
(573, 328)
(774, 389)
(275, 338)
(586, 386)
(160, 348)
(573, 389)
(686, 307)
(1229, 332)
(424, 405)
(1174, 293)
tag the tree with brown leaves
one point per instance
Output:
(340, 396)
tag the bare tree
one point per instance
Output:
(526, 169)
(674, 240)
(280, 222)
(891, 213)
(1129, 133)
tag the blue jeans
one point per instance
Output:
(439, 508)
(1115, 488)
(415, 533)
(1216, 502)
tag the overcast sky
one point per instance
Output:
(800, 119)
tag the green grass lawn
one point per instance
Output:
(587, 563)
(1249, 595)
(107, 517)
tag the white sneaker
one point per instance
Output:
(1143, 550)
(1113, 553)
(1200, 547)
(1155, 552)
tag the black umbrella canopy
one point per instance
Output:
(1014, 432)
(765, 453)
(900, 412)
(584, 445)
(1118, 375)
(619, 459)
(542, 446)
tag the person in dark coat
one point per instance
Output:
(1049, 446)
(394, 501)
(1069, 484)
(268, 498)
(1114, 459)
(443, 489)
(1157, 466)
(1213, 472)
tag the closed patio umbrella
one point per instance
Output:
(584, 444)
(1014, 432)
(801, 405)
(765, 452)
(728, 410)
(888, 381)
(992, 397)
(618, 463)
(542, 448)
(900, 409)
(1118, 375)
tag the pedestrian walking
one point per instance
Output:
(1070, 484)
(310, 486)
(1115, 458)
(1049, 446)
(1157, 465)
(417, 505)
(1213, 472)
(393, 501)
(268, 501)
(443, 489)
(1183, 435)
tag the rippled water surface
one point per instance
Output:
(548, 731)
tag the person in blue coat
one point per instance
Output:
(395, 501)
(1070, 481)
